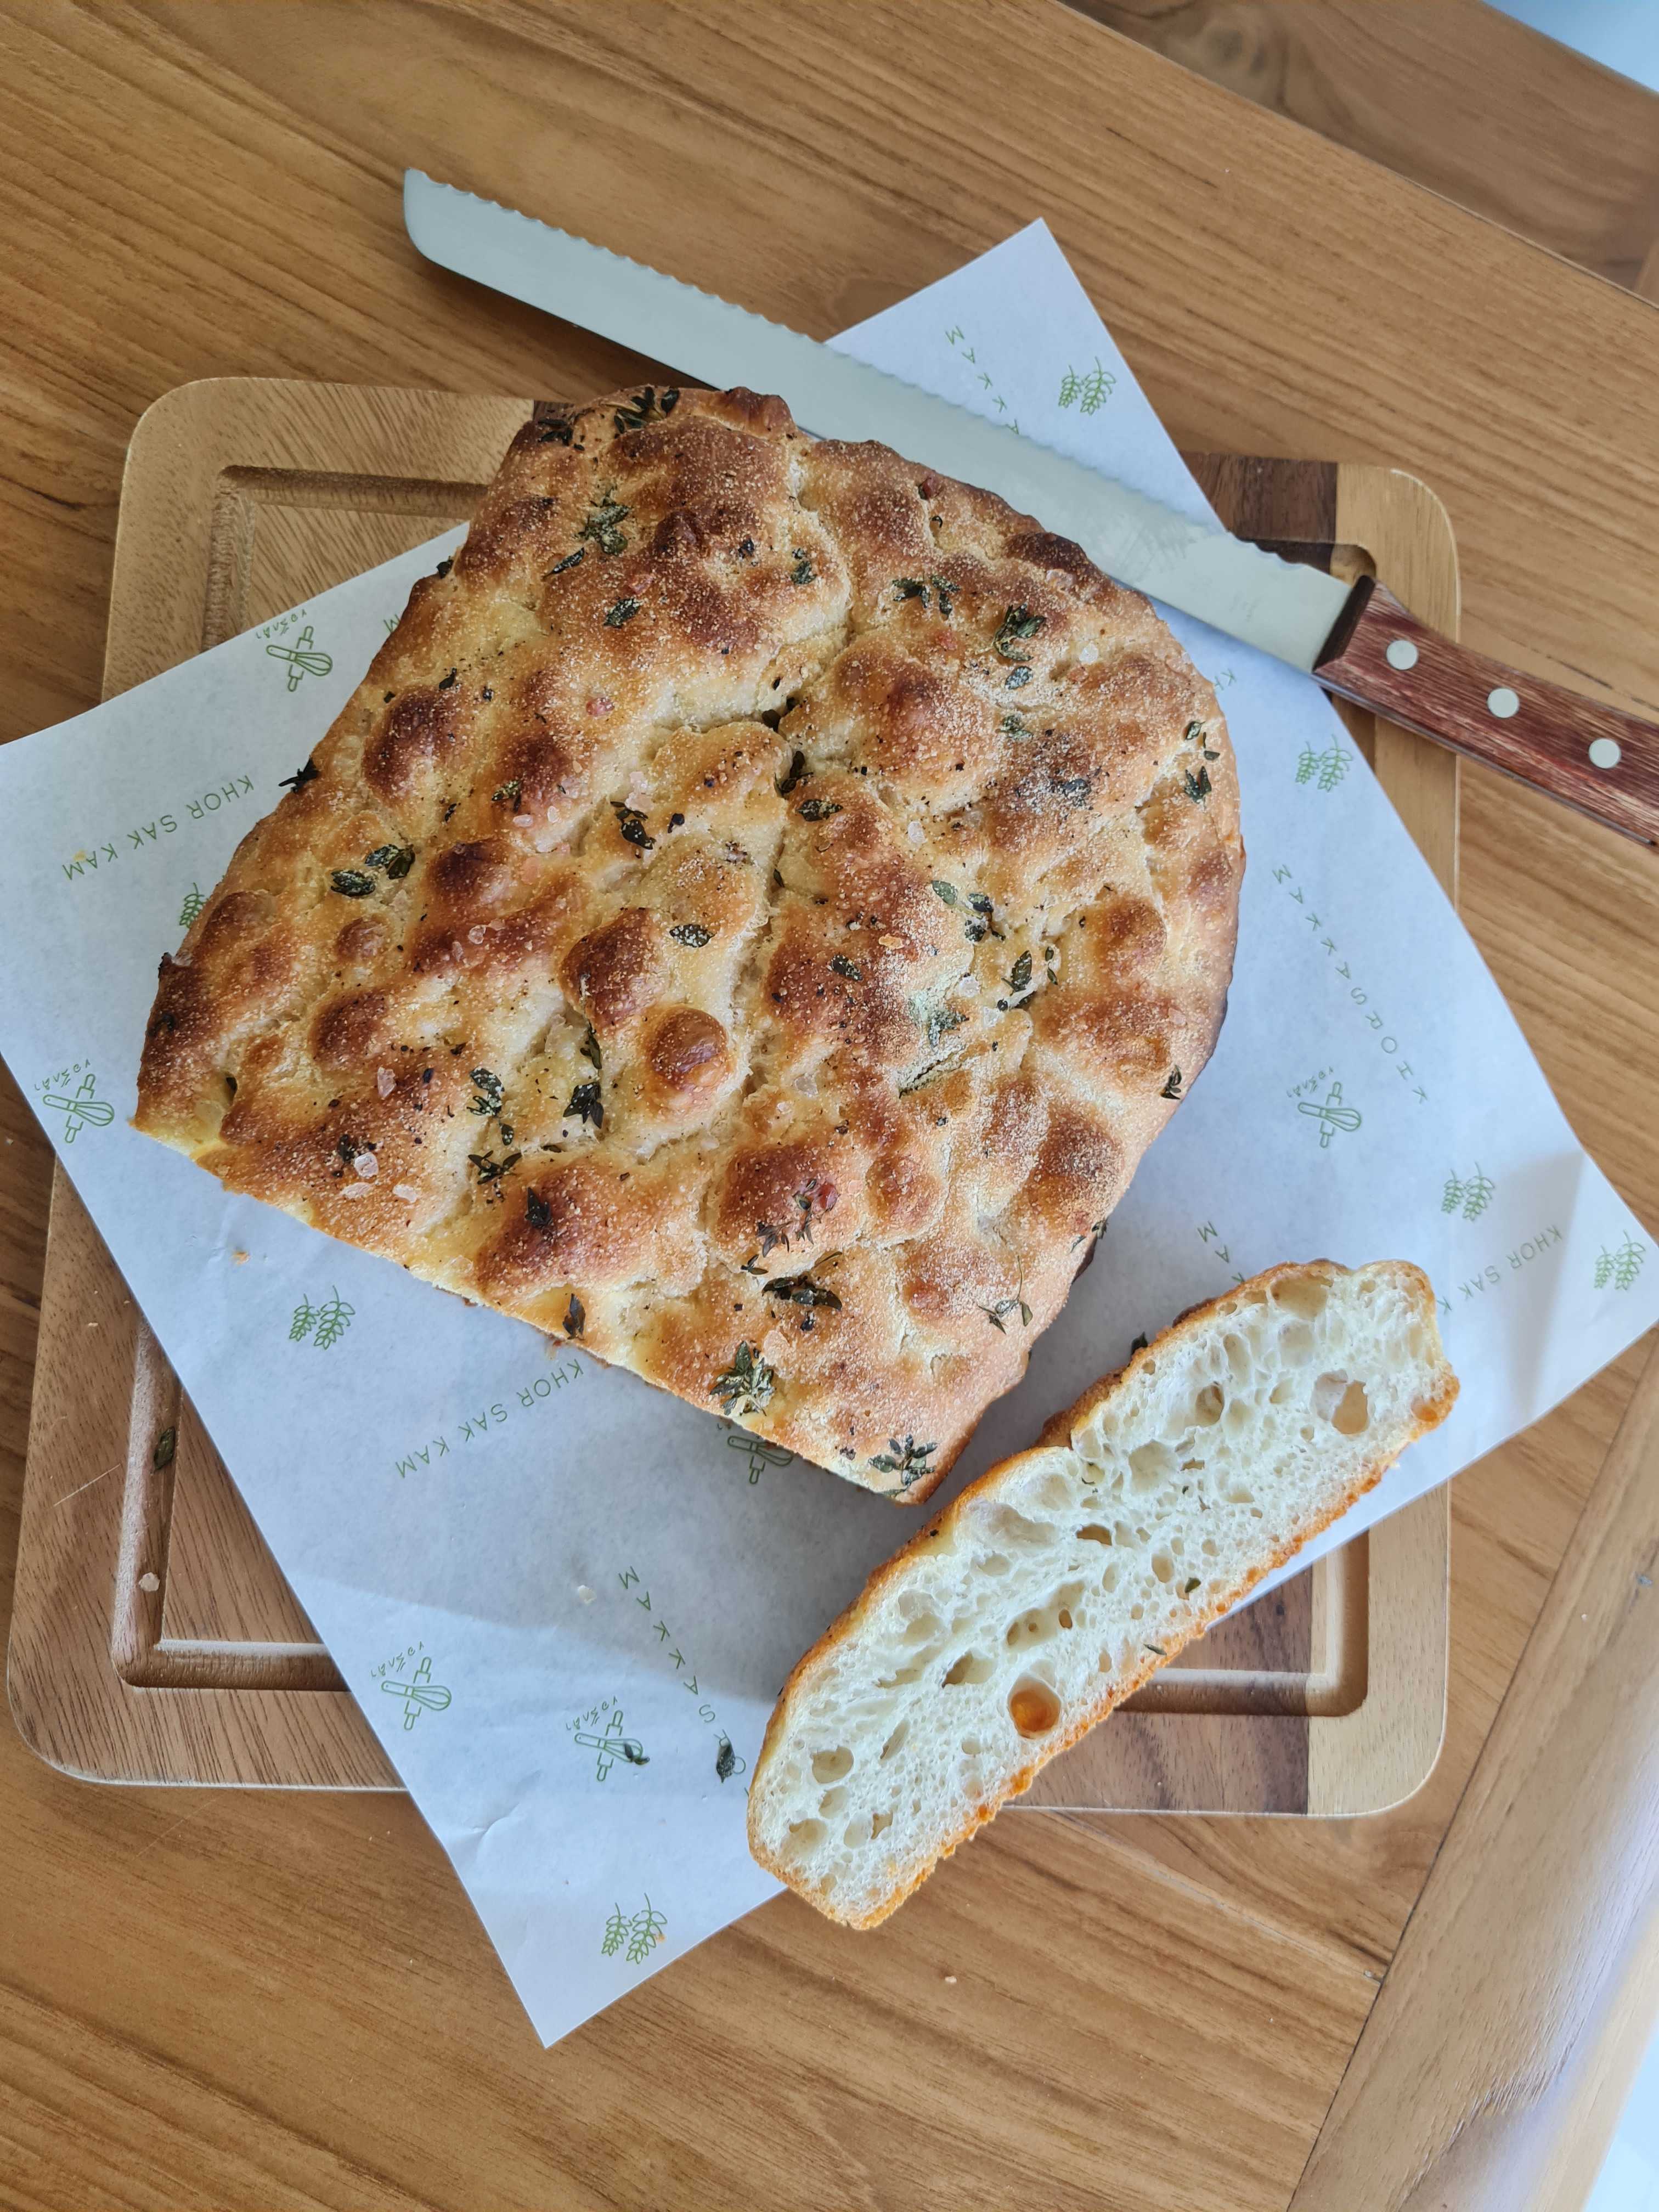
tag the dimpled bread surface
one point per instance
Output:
(750, 920)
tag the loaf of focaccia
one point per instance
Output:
(751, 918)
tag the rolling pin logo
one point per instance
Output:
(612, 1745)
(302, 657)
(761, 1453)
(1331, 1115)
(82, 1107)
(420, 1695)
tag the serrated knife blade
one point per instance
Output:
(1198, 567)
(1359, 642)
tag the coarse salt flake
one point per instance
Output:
(913, 830)
(385, 1082)
(523, 821)
(1090, 654)
(406, 1191)
(476, 934)
(367, 1166)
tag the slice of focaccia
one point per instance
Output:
(1054, 1585)
(753, 915)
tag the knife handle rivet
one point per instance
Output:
(1401, 653)
(1503, 702)
(1605, 752)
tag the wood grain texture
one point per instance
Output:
(1590, 756)
(211, 1997)
(1494, 2041)
(243, 497)
(1433, 90)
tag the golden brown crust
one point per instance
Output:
(767, 891)
(1430, 1412)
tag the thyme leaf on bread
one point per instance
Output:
(744, 1387)
(1018, 625)
(602, 526)
(635, 414)
(488, 1091)
(630, 824)
(586, 1104)
(906, 1460)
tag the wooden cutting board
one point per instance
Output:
(154, 1638)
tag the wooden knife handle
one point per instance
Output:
(1603, 763)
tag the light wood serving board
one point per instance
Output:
(154, 1638)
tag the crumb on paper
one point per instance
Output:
(584, 1596)
(238, 1257)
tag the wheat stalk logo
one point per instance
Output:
(1621, 1267)
(1325, 769)
(1088, 392)
(325, 1324)
(635, 1934)
(1470, 1198)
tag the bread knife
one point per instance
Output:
(1355, 639)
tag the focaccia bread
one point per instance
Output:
(1054, 1586)
(757, 908)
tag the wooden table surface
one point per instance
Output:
(237, 2000)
